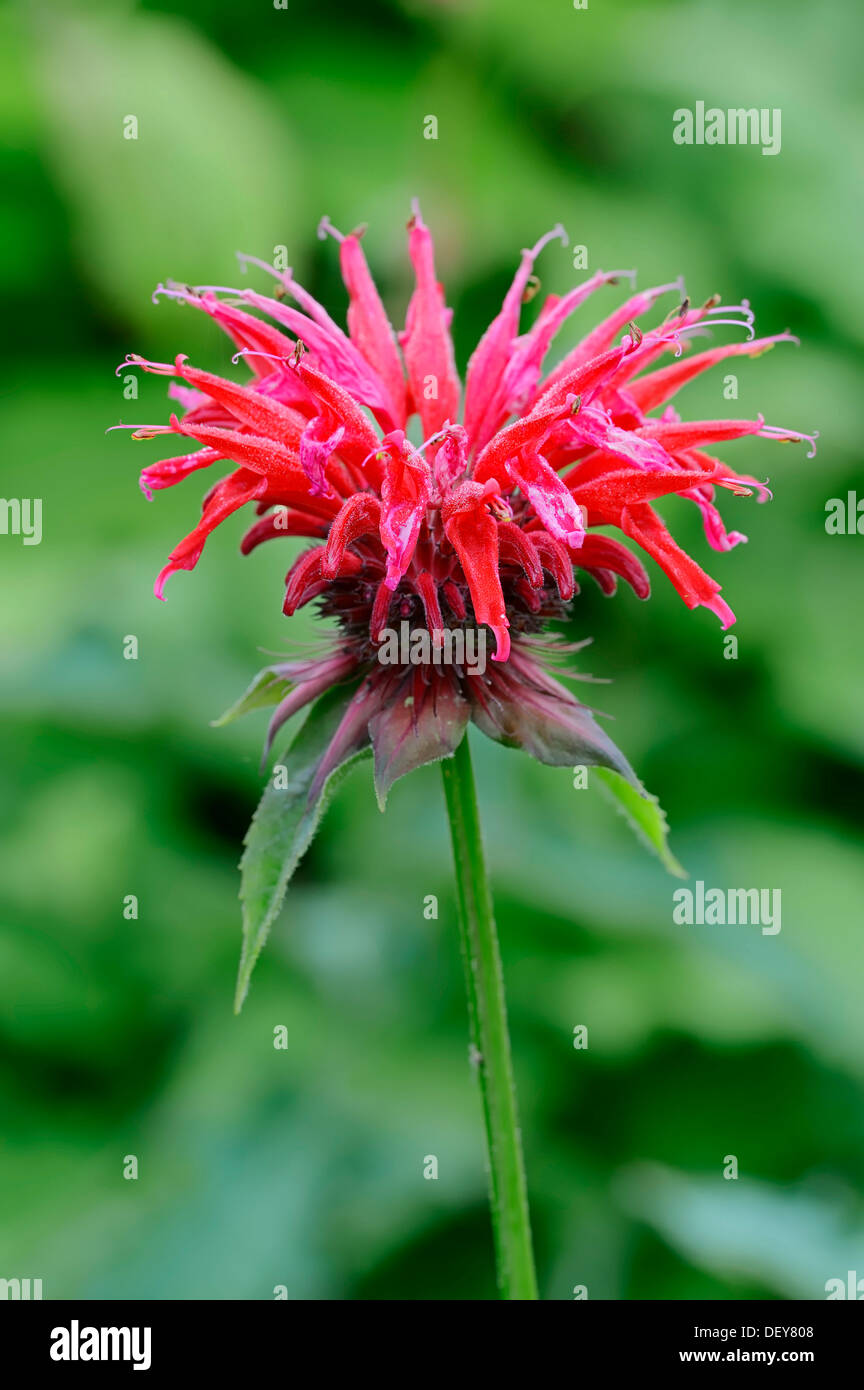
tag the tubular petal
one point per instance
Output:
(426, 342)
(603, 553)
(404, 498)
(515, 547)
(283, 522)
(370, 328)
(317, 447)
(473, 533)
(696, 587)
(492, 354)
(555, 558)
(549, 497)
(233, 492)
(359, 515)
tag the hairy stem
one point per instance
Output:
(490, 1041)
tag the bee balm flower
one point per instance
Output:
(481, 522)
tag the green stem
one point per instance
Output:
(489, 1037)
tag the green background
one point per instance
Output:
(303, 1167)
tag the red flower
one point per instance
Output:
(481, 525)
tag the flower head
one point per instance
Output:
(476, 525)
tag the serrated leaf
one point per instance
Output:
(266, 689)
(644, 814)
(284, 824)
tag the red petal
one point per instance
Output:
(696, 587)
(691, 434)
(428, 591)
(248, 333)
(523, 436)
(493, 352)
(304, 581)
(167, 472)
(455, 600)
(278, 464)
(360, 440)
(426, 341)
(233, 491)
(284, 522)
(473, 533)
(604, 554)
(515, 547)
(549, 497)
(556, 559)
(332, 349)
(404, 499)
(623, 487)
(369, 326)
(601, 338)
(259, 412)
(359, 516)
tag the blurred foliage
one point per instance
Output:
(303, 1167)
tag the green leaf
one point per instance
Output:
(284, 824)
(644, 814)
(267, 688)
